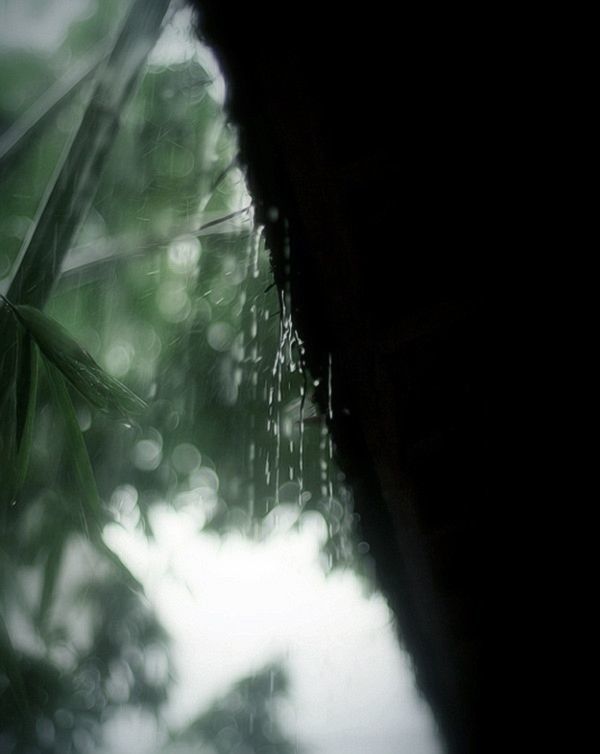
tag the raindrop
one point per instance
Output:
(256, 240)
(84, 418)
(253, 326)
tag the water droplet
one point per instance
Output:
(330, 389)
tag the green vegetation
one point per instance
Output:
(245, 718)
(142, 346)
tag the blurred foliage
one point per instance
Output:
(244, 720)
(133, 214)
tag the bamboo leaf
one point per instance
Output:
(26, 401)
(16, 138)
(8, 350)
(76, 364)
(8, 414)
(124, 573)
(23, 381)
(8, 454)
(78, 455)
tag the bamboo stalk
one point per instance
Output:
(69, 198)
(16, 138)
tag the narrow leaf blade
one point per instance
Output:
(76, 364)
(78, 454)
(17, 137)
(8, 414)
(71, 192)
(26, 409)
(122, 570)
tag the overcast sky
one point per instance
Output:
(232, 605)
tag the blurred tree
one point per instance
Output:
(244, 721)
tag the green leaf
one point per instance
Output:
(78, 455)
(8, 412)
(8, 455)
(76, 364)
(70, 195)
(122, 570)
(18, 136)
(8, 350)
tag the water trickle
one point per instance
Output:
(251, 499)
(256, 242)
(324, 466)
(329, 388)
(277, 461)
(278, 395)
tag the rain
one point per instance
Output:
(188, 577)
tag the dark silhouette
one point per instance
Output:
(378, 150)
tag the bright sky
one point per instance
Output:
(232, 605)
(38, 24)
